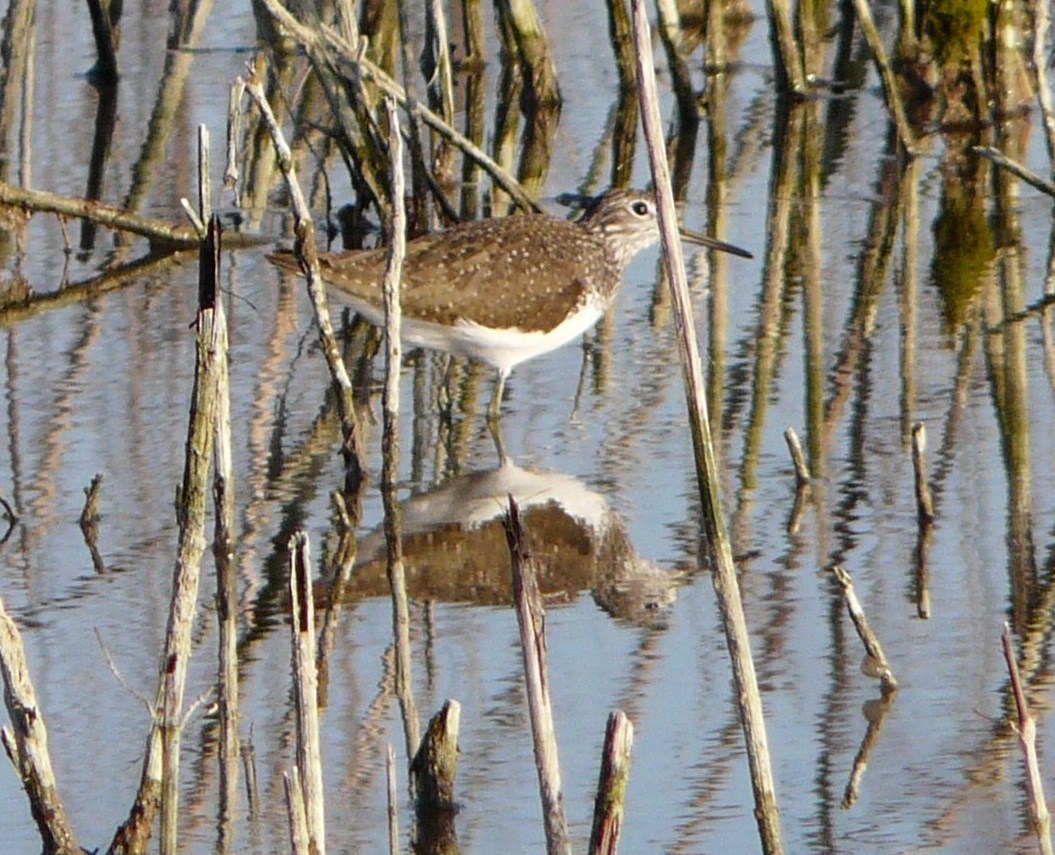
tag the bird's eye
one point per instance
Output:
(640, 208)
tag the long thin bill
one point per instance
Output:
(713, 243)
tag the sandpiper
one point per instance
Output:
(507, 289)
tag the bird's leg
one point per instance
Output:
(494, 415)
(494, 410)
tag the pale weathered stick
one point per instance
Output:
(726, 584)
(296, 815)
(1027, 738)
(876, 663)
(306, 690)
(924, 501)
(611, 785)
(307, 254)
(531, 619)
(26, 744)
(390, 436)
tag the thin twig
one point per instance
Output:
(876, 664)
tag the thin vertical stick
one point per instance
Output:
(1027, 737)
(306, 690)
(726, 584)
(212, 339)
(27, 743)
(226, 591)
(531, 619)
(390, 436)
(611, 785)
(393, 811)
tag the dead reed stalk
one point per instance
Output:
(1027, 738)
(611, 785)
(726, 584)
(26, 744)
(527, 600)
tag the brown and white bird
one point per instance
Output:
(504, 290)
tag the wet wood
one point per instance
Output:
(433, 773)
(306, 692)
(726, 584)
(1027, 739)
(531, 619)
(611, 786)
(393, 808)
(26, 744)
(296, 815)
(876, 664)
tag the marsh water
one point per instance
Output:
(880, 294)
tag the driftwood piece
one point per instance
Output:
(26, 743)
(611, 785)
(531, 619)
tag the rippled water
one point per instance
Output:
(101, 383)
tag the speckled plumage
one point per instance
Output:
(507, 289)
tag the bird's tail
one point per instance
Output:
(285, 259)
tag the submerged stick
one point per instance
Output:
(306, 690)
(26, 743)
(527, 600)
(876, 664)
(1027, 739)
(611, 786)
(726, 584)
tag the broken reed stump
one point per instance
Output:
(875, 664)
(26, 744)
(611, 785)
(527, 600)
(1026, 728)
(432, 773)
(306, 692)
